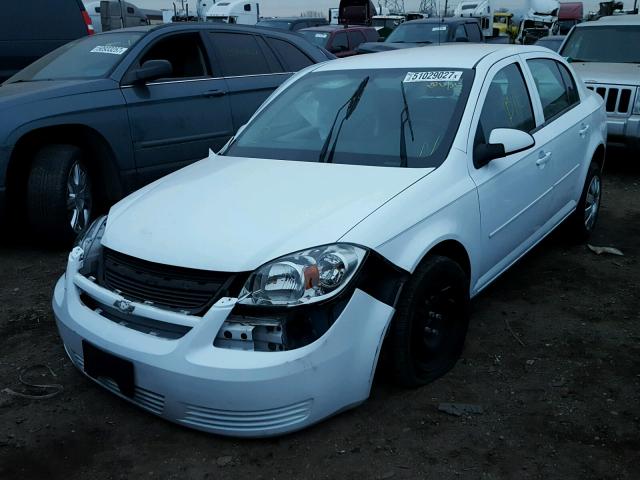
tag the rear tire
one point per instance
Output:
(582, 222)
(60, 197)
(428, 331)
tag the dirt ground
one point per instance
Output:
(552, 357)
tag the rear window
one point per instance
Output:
(317, 38)
(89, 57)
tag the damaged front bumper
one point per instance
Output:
(190, 381)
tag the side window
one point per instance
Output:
(293, 57)
(239, 54)
(460, 32)
(130, 10)
(355, 39)
(185, 52)
(299, 25)
(570, 85)
(553, 94)
(473, 32)
(507, 105)
(340, 42)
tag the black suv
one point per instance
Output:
(106, 114)
(30, 29)
(292, 24)
(429, 31)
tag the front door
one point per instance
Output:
(175, 121)
(513, 191)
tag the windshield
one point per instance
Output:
(419, 33)
(88, 57)
(604, 44)
(387, 117)
(283, 24)
(315, 37)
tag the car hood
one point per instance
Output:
(235, 214)
(20, 93)
(611, 73)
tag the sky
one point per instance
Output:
(295, 7)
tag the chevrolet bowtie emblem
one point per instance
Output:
(124, 306)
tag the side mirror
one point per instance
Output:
(502, 142)
(152, 70)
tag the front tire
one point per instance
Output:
(60, 196)
(428, 331)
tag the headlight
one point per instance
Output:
(636, 105)
(303, 277)
(89, 241)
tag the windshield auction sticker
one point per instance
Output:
(109, 49)
(439, 76)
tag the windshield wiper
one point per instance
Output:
(405, 118)
(352, 104)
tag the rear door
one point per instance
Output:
(250, 69)
(564, 132)
(514, 192)
(175, 121)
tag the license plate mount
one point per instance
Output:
(98, 363)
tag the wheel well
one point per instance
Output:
(599, 156)
(455, 251)
(98, 155)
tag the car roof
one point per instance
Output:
(447, 55)
(552, 37)
(332, 28)
(617, 19)
(445, 20)
(291, 19)
(178, 26)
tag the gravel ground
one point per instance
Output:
(552, 357)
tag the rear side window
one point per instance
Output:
(340, 42)
(507, 105)
(239, 54)
(570, 85)
(473, 32)
(355, 39)
(460, 33)
(292, 56)
(555, 97)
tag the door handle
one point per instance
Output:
(215, 93)
(543, 158)
(583, 131)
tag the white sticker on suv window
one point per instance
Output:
(439, 29)
(439, 76)
(109, 49)
(321, 35)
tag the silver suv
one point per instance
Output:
(604, 54)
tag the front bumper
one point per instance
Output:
(229, 392)
(624, 131)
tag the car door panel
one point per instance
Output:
(251, 70)
(514, 192)
(176, 121)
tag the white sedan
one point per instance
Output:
(360, 209)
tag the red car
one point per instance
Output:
(340, 40)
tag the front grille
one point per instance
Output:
(616, 99)
(176, 288)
